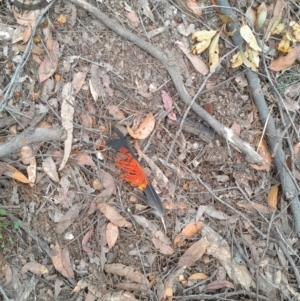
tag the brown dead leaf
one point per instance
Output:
(162, 247)
(68, 218)
(125, 271)
(273, 197)
(28, 158)
(193, 253)
(144, 129)
(252, 206)
(236, 129)
(115, 112)
(83, 159)
(284, 62)
(35, 268)
(49, 168)
(113, 215)
(263, 151)
(7, 272)
(81, 284)
(78, 81)
(49, 64)
(133, 18)
(109, 187)
(61, 261)
(188, 231)
(280, 4)
(85, 240)
(196, 61)
(209, 108)
(12, 172)
(67, 114)
(217, 284)
(112, 234)
(194, 6)
(198, 276)
(168, 104)
(218, 247)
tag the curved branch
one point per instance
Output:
(170, 65)
(32, 135)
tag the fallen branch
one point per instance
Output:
(170, 64)
(32, 135)
(288, 184)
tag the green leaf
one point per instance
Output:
(2, 212)
(16, 225)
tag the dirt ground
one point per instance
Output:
(71, 228)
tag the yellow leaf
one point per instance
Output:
(200, 47)
(272, 25)
(273, 197)
(203, 35)
(248, 63)
(198, 276)
(279, 28)
(225, 19)
(236, 60)
(253, 56)
(261, 16)
(249, 37)
(284, 45)
(214, 52)
(13, 173)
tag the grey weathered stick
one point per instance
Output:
(287, 182)
(31, 135)
(170, 64)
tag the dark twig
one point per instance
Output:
(287, 182)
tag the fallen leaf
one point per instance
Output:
(208, 107)
(261, 16)
(125, 271)
(188, 231)
(193, 253)
(112, 234)
(272, 25)
(78, 81)
(12, 172)
(83, 159)
(217, 284)
(81, 284)
(168, 104)
(263, 151)
(284, 62)
(144, 4)
(28, 158)
(236, 60)
(115, 112)
(85, 241)
(49, 168)
(251, 206)
(213, 52)
(144, 129)
(35, 268)
(162, 247)
(236, 128)
(202, 35)
(7, 272)
(284, 45)
(49, 64)
(67, 115)
(113, 215)
(61, 261)
(109, 188)
(217, 247)
(273, 197)
(133, 18)
(194, 6)
(249, 37)
(158, 174)
(196, 61)
(68, 218)
(198, 276)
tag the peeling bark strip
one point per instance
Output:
(31, 6)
